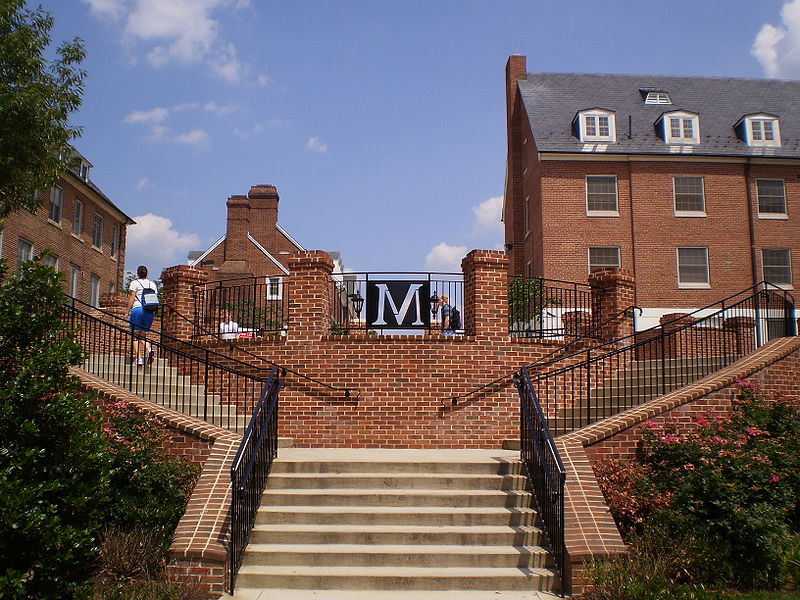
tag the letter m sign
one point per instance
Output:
(398, 304)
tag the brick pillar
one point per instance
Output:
(177, 296)
(115, 303)
(677, 345)
(310, 289)
(742, 329)
(576, 323)
(614, 292)
(485, 293)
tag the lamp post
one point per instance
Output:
(434, 300)
(358, 302)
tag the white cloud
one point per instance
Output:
(196, 137)
(183, 32)
(220, 109)
(444, 257)
(155, 242)
(314, 144)
(143, 184)
(777, 47)
(245, 133)
(154, 115)
(487, 215)
(154, 119)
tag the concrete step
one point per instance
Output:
(372, 497)
(301, 594)
(393, 578)
(325, 555)
(507, 467)
(398, 481)
(398, 515)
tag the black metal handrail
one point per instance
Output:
(545, 470)
(250, 470)
(349, 295)
(258, 305)
(538, 307)
(192, 380)
(609, 378)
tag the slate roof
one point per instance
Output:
(552, 101)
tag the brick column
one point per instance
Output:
(576, 323)
(614, 292)
(310, 291)
(177, 295)
(743, 332)
(115, 303)
(486, 293)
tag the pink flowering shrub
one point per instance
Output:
(733, 482)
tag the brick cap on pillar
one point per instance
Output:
(494, 257)
(311, 259)
(185, 273)
(604, 277)
(263, 191)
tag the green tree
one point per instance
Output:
(37, 96)
(54, 466)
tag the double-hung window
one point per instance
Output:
(759, 130)
(94, 290)
(689, 195)
(680, 127)
(274, 288)
(74, 280)
(771, 198)
(24, 253)
(77, 219)
(693, 268)
(777, 266)
(56, 204)
(601, 195)
(603, 257)
(597, 125)
(97, 234)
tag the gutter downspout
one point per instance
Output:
(751, 223)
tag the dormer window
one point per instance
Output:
(759, 130)
(596, 125)
(84, 172)
(679, 127)
(656, 97)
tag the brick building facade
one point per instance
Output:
(84, 231)
(689, 183)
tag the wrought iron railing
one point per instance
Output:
(609, 378)
(548, 308)
(244, 307)
(250, 470)
(360, 303)
(545, 471)
(190, 379)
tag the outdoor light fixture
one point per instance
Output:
(434, 303)
(358, 302)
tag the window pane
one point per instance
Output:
(601, 193)
(51, 260)
(74, 273)
(771, 196)
(693, 265)
(56, 201)
(94, 290)
(24, 252)
(769, 130)
(77, 221)
(675, 127)
(688, 128)
(689, 194)
(602, 123)
(97, 237)
(591, 126)
(603, 257)
(777, 265)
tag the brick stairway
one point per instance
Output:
(396, 520)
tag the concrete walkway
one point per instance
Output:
(386, 595)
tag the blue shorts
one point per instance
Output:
(141, 320)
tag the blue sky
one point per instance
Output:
(381, 122)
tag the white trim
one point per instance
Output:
(596, 113)
(267, 254)
(288, 237)
(683, 115)
(199, 259)
(748, 121)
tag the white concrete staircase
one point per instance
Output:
(389, 521)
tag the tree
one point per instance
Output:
(37, 96)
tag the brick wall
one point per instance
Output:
(71, 249)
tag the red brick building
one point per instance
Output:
(254, 245)
(84, 231)
(692, 184)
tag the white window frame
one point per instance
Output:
(680, 118)
(74, 279)
(684, 212)
(56, 205)
(787, 252)
(94, 290)
(771, 214)
(756, 130)
(24, 252)
(593, 122)
(98, 231)
(657, 97)
(115, 241)
(597, 266)
(693, 284)
(605, 212)
(51, 260)
(77, 218)
(527, 214)
(271, 281)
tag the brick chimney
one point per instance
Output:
(236, 243)
(263, 214)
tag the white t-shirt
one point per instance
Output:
(228, 330)
(137, 285)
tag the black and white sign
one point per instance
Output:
(398, 304)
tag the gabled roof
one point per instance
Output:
(552, 100)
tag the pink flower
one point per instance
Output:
(703, 422)
(754, 431)
(650, 424)
(775, 478)
(667, 439)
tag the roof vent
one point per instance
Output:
(655, 97)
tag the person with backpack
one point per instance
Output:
(451, 318)
(142, 305)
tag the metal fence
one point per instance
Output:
(241, 308)
(389, 303)
(190, 379)
(610, 378)
(545, 470)
(548, 308)
(250, 470)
